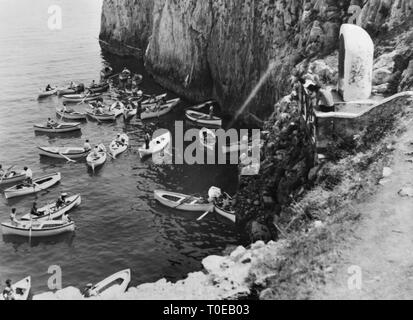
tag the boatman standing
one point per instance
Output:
(87, 146)
(211, 111)
(13, 216)
(29, 175)
(147, 140)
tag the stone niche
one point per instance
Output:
(356, 56)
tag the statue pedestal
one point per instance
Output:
(356, 56)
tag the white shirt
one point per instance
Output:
(29, 173)
(87, 146)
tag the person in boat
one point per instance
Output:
(89, 291)
(87, 146)
(211, 111)
(120, 140)
(8, 292)
(324, 99)
(49, 87)
(13, 216)
(93, 84)
(139, 109)
(147, 140)
(61, 201)
(29, 175)
(67, 109)
(51, 123)
(96, 151)
(99, 109)
(34, 211)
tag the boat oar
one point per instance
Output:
(87, 95)
(67, 158)
(204, 215)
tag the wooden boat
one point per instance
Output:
(21, 289)
(51, 212)
(12, 177)
(59, 128)
(226, 213)
(45, 94)
(108, 116)
(70, 115)
(63, 152)
(207, 138)
(156, 145)
(95, 162)
(112, 286)
(34, 229)
(71, 89)
(203, 118)
(116, 149)
(220, 207)
(153, 112)
(100, 88)
(39, 184)
(154, 100)
(130, 113)
(76, 98)
(117, 108)
(182, 202)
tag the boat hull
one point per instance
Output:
(104, 290)
(230, 215)
(75, 98)
(14, 179)
(203, 119)
(180, 204)
(155, 146)
(164, 110)
(45, 183)
(71, 116)
(49, 152)
(63, 128)
(45, 94)
(116, 150)
(9, 229)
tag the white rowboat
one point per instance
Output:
(51, 212)
(12, 178)
(73, 115)
(45, 94)
(63, 153)
(60, 128)
(35, 229)
(156, 145)
(95, 162)
(203, 118)
(116, 148)
(182, 202)
(39, 184)
(152, 111)
(117, 108)
(112, 287)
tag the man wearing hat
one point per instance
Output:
(323, 98)
(61, 201)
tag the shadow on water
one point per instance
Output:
(18, 241)
(56, 136)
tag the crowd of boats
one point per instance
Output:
(53, 218)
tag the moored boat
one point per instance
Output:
(130, 113)
(222, 203)
(12, 177)
(58, 128)
(154, 99)
(48, 93)
(117, 147)
(70, 115)
(39, 184)
(34, 229)
(63, 152)
(106, 116)
(95, 160)
(156, 145)
(77, 98)
(203, 118)
(111, 287)
(182, 202)
(99, 88)
(21, 289)
(52, 212)
(153, 111)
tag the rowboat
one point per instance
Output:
(154, 100)
(21, 289)
(182, 202)
(45, 94)
(51, 212)
(130, 113)
(203, 118)
(117, 108)
(38, 228)
(12, 177)
(152, 111)
(117, 148)
(100, 88)
(226, 213)
(81, 97)
(39, 184)
(207, 138)
(95, 162)
(109, 116)
(71, 89)
(70, 115)
(222, 203)
(156, 145)
(59, 128)
(63, 152)
(111, 287)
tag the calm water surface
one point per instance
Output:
(119, 225)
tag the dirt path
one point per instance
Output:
(382, 246)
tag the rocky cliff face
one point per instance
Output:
(220, 48)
